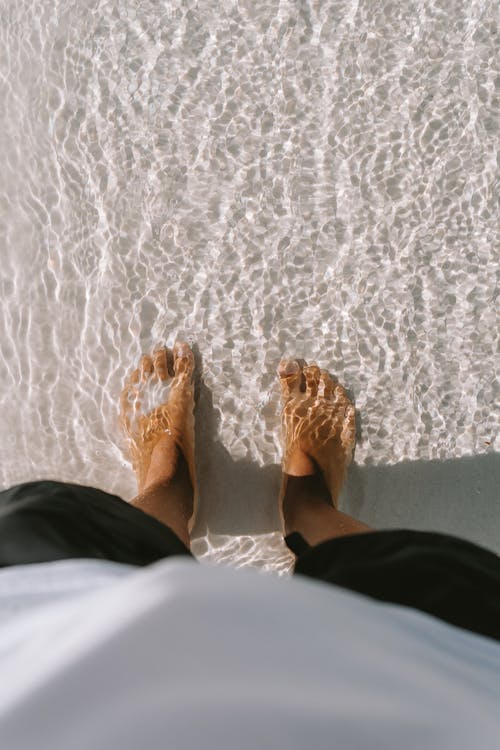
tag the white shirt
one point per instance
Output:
(181, 655)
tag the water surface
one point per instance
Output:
(310, 178)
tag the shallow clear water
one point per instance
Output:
(265, 179)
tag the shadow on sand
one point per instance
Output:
(458, 496)
(236, 496)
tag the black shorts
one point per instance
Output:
(440, 574)
(45, 521)
(445, 576)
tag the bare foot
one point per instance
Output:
(318, 421)
(158, 401)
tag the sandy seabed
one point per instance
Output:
(263, 179)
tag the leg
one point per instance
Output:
(161, 442)
(307, 509)
(319, 432)
(168, 492)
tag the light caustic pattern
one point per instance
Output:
(158, 398)
(263, 179)
(318, 419)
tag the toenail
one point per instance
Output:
(290, 367)
(182, 350)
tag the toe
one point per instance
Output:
(339, 394)
(348, 433)
(130, 391)
(130, 387)
(125, 402)
(183, 359)
(312, 375)
(146, 367)
(290, 374)
(134, 378)
(325, 387)
(160, 363)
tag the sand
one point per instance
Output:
(264, 179)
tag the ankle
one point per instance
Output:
(303, 495)
(300, 464)
(166, 460)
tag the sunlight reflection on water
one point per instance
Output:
(265, 551)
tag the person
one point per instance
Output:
(318, 433)
(113, 635)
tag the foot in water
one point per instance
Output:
(318, 422)
(156, 412)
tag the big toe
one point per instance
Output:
(348, 432)
(312, 375)
(291, 374)
(161, 356)
(183, 360)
